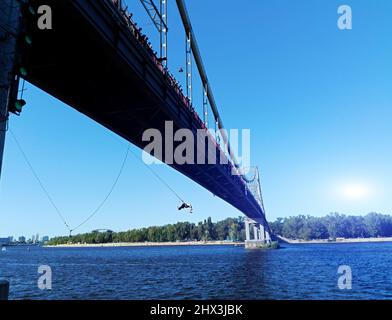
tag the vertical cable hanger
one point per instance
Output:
(188, 52)
(205, 106)
(163, 30)
(159, 19)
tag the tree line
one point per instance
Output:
(229, 229)
(333, 226)
(303, 227)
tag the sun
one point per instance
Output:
(355, 191)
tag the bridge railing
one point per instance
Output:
(171, 80)
(144, 41)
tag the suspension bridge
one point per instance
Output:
(97, 60)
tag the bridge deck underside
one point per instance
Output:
(90, 61)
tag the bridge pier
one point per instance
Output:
(9, 15)
(4, 289)
(261, 237)
(256, 232)
(268, 237)
(261, 233)
(247, 229)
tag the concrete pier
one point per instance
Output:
(10, 16)
(4, 289)
(261, 236)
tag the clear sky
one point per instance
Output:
(318, 101)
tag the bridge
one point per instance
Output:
(96, 60)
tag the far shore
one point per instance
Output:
(146, 244)
(215, 243)
(338, 240)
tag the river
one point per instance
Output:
(211, 272)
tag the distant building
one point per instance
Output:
(5, 241)
(102, 231)
(45, 239)
(22, 239)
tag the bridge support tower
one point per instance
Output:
(257, 236)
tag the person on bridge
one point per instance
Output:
(185, 206)
(117, 3)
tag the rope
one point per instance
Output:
(108, 195)
(158, 177)
(51, 199)
(39, 180)
(95, 212)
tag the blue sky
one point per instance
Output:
(318, 102)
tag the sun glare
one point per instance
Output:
(355, 191)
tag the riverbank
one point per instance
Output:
(147, 244)
(214, 243)
(339, 240)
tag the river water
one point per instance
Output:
(217, 272)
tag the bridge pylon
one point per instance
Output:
(260, 230)
(9, 23)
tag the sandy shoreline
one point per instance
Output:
(148, 244)
(215, 243)
(326, 241)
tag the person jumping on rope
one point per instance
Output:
(185, 206)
